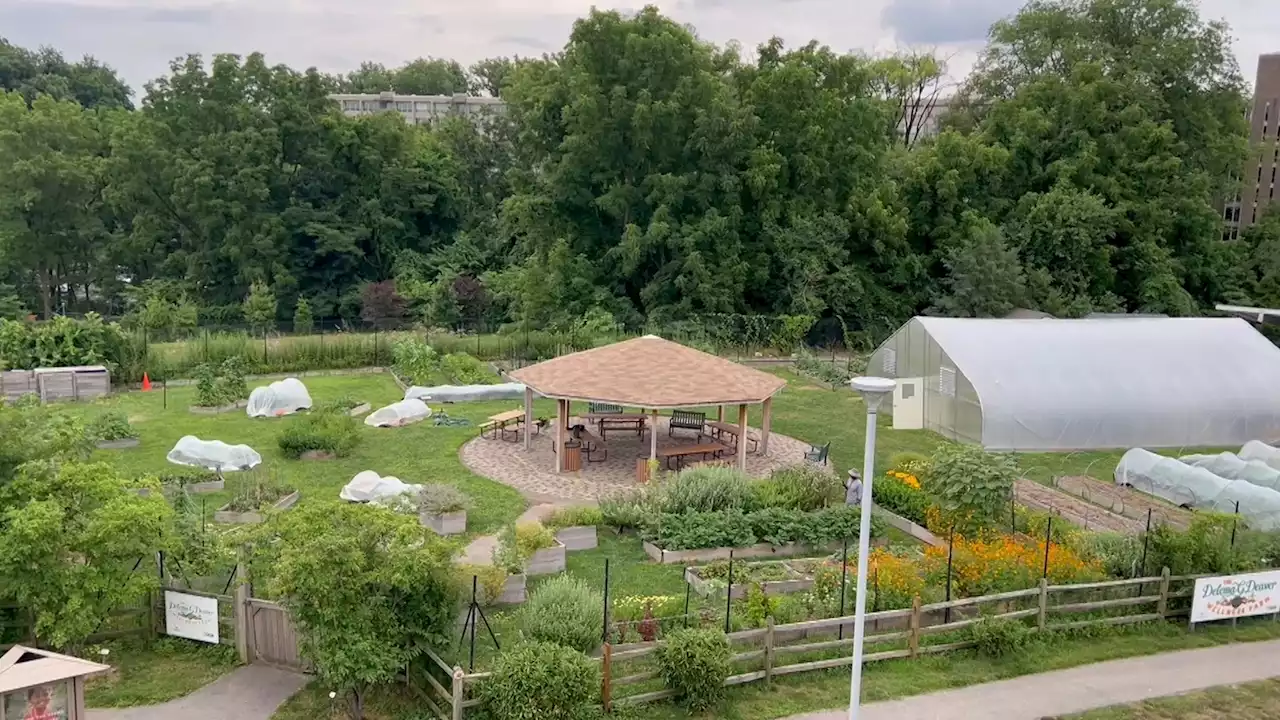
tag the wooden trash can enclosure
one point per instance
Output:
(572, 456)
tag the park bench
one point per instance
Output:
(818, 453)
(681, 453)
(686, 420)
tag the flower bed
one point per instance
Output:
(774, 578)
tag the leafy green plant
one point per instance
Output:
(463, 369)
(563, 610)
(438, 498)
(637, 510)
(231, 379)
(303, 321)
(208, 393)
(999, 637)
(800, 487)
(576, 516)
(898, 497)
(260, 307)
(415, 361)
(111, 425)
(61, 342)
(335, 433)
(705, 489)
(518, 543)
(540, 681)
(532, 537)
(490, 582)
(256, 489)
(344, 404)
(972, 485)
(695, 663)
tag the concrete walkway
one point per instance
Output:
(252, 692)
(1088, 687)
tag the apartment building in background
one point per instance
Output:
(1258, 182)
(419, 109)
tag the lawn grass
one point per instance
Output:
(1251, 700)
(146, 674)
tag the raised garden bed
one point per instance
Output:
(450, 523)
(219, 409)
(207, 486)
(916, 531)
(360, 409)
(704, 556)
(252, 517)
(547, 561)
(582, 537)
(120, 444)
(514, 590)
(774, 578)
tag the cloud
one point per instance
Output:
(945, 22)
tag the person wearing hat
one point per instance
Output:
(853, 489)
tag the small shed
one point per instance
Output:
(82, 382)
(43, 684)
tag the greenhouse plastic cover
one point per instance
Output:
(283, 397)
(1262, 452)
(1231, 467)
(397, 414)
(368, 486)
(1113, 383)
(213, 455)
(466, 393)
(1196, 487)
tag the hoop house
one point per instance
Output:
(1196, 487)
(1231, 467)
(1084, 384)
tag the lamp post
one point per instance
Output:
(873, 391)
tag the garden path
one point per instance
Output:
(252, 692)
(1088, 687)
(480, 551)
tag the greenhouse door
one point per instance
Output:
(908, 404)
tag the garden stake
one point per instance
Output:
(1048, 533)
(687, 587)
(1233, 525)
(1013, 514)
(604, 632)
(164, 393)
(264, 346)
(844, 579)
(951, 546)
(1146, 538)
(728, 595)
(230, 577)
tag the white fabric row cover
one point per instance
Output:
(404, 412)
(466, 393)
(1196, 487)
(283, 397)
(1262, 452)
(1231, 467)
(213, 455)
(368, 486)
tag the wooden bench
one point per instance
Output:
(603, 408)
(686, 420)
(720, 429)
(681, 452)
(592, 445)
(487, 426)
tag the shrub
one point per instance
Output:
(489, 581)
(801, 487)
(999, 637)
(260, 307)
(1204, 547)
(695, 663)
(693, 530)
(972, 484)
(577, 516)
(563, 610)
(334, 433)
(111, 425)
(222, 384)
(438, 498)
(518, 543)
(303, 320)
(415, 361)
(465, 370)
(706, 489)
(635, 510)
(898, 496)
(540, 681)
(733, 528)
(208, 394)
(62, 342)
(1118, 554)
(532, 537)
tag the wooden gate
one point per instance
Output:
(271, 637)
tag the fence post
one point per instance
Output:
(1162, 605)
(768, 651)
(844, 580)
(728, 595)
(1042, 619)
(606, 677)
(457, 698)
(1048, 540)
(242, 615)
(913, 640)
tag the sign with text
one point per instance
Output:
(194, 617)
(1234, 596)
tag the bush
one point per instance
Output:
(999, 637)
(415, 361)
(563, 610)
(972, 485)
(334, 433)
(62, 342)
(638, 510)
(221, 385)
(897, 496)
(1118, 554)
(706, 489)
(577, 516)
(303, 320)
(437, 498)
(489, 580)
(800, 487)
(465, 370)
(540, 681)
(518, 543)
(532, 537)
(733, 528)
(111, 425)
(695, 663)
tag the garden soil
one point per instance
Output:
(1074, 510)
(1125, 501)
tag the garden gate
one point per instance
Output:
(270, 637)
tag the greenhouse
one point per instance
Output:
(1196, 487)
(1052, 384)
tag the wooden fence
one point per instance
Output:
(776, 650)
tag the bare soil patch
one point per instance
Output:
(1029, 493)
(1125, 501)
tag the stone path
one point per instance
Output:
(252, 692)
(1065, 692)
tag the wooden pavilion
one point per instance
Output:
(651, 374)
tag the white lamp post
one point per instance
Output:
(873, 391)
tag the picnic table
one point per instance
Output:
(720, 429)
(634, 421)
(680, 453)
(498, 424)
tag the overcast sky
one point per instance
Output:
(140, 37)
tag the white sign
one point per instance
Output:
(1234, 596)
(191, 616)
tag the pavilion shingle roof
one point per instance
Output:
(23, 667)
(649, 372)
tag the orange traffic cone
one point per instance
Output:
(146, 383)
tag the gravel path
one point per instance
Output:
(252, 692)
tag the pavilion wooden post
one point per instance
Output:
(568, 413)
(653, 437)
(764, 426)
(560, 421)
(742, 437)
(528, 419)
(720, 413)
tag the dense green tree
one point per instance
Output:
(45, 72)
(260, 307)
(424, 76)
(984, 276)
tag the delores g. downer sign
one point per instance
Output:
(191, 616)
(1233, 596)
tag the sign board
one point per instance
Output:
(194, 617)
(45, 702)
(1235, 596)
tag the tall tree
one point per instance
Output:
(46, 72)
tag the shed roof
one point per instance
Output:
(24, 667)
(1158, 382)
(649, 372)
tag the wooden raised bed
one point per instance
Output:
(798, 582)
(121, 444)
(360, 409)
(547, 561)
(513, 590)
(219, 409)
(579, 537)
(453, 523)
(254, 517)
(704, 556)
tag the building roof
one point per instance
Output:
(24, 667)
(649, 372)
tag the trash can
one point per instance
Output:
(572, 455)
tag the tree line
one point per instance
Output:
(648, 175)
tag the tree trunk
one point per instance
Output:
(357, 704)
(46, 292)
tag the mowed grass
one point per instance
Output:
(1252, 700)
(146, 674)
(417, 453)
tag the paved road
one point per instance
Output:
(1063, 692)
(252, 692)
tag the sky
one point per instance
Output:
(140, 37)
